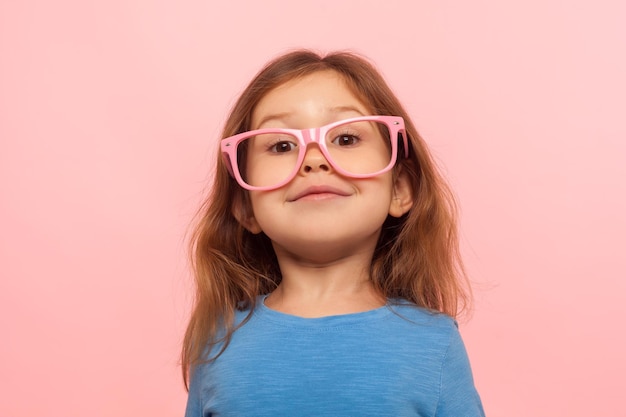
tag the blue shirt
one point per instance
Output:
(397, 360)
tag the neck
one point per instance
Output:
(311, 289)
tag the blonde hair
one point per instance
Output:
(417, 256)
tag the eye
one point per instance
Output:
(282, 146)
(346, 140)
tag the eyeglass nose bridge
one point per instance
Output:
(312, 135)
(309, 136)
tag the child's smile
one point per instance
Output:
(319, 192)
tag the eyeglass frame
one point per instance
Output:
(228, 146)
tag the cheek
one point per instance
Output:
(263, 205)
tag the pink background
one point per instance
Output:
(109, 113)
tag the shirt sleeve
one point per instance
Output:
(458, 396)
(194, 403)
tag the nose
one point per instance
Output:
(314, 161)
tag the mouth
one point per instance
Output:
(319, 193)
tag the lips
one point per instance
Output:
(321, 191)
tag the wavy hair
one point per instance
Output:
(417, 256)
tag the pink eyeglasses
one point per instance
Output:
(360, 147)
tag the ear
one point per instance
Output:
(402, 198)
(242, 211)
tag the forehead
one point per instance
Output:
(320, 95)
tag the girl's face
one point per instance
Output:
(321, 216)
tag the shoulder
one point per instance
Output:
(419, 328)
(420, 316)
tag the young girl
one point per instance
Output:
(326, 258)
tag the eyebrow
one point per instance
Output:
(334, 110)
(346, 109)
(277, 116)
